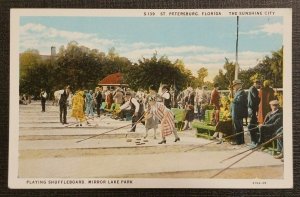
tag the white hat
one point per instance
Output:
(235, 82)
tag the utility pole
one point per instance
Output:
(236, 73)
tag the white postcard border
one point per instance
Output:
(15, 182)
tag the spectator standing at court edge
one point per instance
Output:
(266, 94)
(215, 101)
(43, 96)
(63, 104)
(108, 99)
(98, 98)
(253, 103)
(201, 100)
(118, 96)
(239, 111)
(189, 106)
(89, 104)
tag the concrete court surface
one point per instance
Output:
(48, 149)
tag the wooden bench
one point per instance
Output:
(204, 128)
(114, 107)
(103, 106)
(271, 148)
(179, 116)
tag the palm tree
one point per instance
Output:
(277, 64)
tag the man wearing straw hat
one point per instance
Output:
(239, 111)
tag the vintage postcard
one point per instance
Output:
(138, 98)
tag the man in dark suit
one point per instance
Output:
(98, 98)
(239, 111)
(253, 103)
(63, 104)
(43, 96)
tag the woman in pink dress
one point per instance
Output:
(161, 112)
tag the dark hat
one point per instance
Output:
(165, 87)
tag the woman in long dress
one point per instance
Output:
(266, 94)
(151, 122)
(77, 108)
(161, 112)
(189, 106)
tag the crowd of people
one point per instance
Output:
(151, 109)
(258, 105)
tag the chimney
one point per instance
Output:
(53, 51)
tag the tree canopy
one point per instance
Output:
(225, 79)
(74, 65)
(155, 71)
(269, 68)
(82, 67)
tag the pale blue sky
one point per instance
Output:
(199, 41)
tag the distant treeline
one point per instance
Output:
(81, 67)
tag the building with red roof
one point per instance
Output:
(115, 79)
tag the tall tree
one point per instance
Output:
(247, 77)
(154, 71)
(29, 59)
(39, 76)
(202, 73)
(225, 79)
(82, 67)
(271, 68)
(277, 67)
